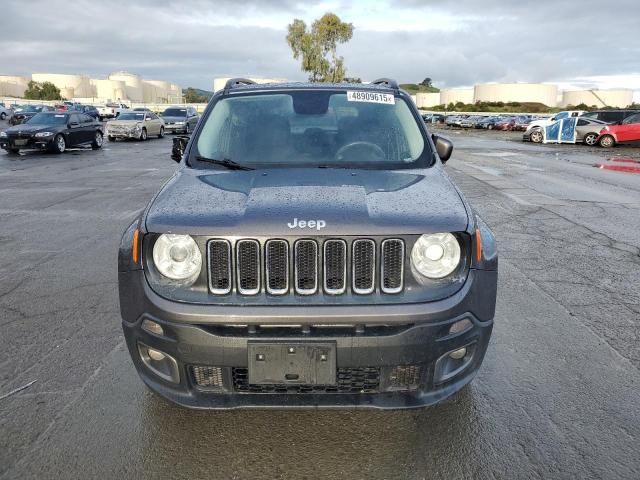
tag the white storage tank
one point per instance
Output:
(455, 95)
(77, 85)
(428, 99)
(13, 85)
(133, 85)
(108, 90)
(517, 92)
(156, 91)
(618, 98)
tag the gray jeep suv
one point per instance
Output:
(309, 251)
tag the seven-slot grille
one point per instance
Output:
(311, 266)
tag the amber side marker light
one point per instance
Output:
(135, 251)
(478, 245)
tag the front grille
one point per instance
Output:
(364, 266)
(207, 377)
(248, 262)
(392, 269)
(331, 266)
(306, 267)
(348, 380)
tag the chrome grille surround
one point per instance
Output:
(392, 265)
(276, 261)
(335, 266)
(219, 265)
(248, 266)
(306, 267)
(363, 265)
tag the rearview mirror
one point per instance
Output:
(444, 147)
(178, 148)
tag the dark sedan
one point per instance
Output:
(54, 132)
(24, 113)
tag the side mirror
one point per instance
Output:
(178, 148)
(73, 124)
(444, 147)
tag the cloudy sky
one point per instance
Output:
(591, 43)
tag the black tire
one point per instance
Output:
(13, 151)
(489, 127)
(143, 135)
(607, 141)
(536, 136)
(59, 144)
(111, 138)
(590, 139)
(161, 134)
(187, 130)
(98, 140)
(3, 116)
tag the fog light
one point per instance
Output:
(157, 356)
(152, 327)
(458, 354)
(160, 363)
(460, 326)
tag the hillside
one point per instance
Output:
(414, 88)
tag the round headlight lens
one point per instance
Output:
(436, 255)
(177, 257)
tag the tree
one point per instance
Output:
(426, 82)
(42, 91)
(317, 47)
(191, 95)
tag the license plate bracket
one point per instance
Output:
(20, 142)
(292, 363)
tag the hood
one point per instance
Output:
(26, 128)
(273, 202)
(123, 123)
(174, 119)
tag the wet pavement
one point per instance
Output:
(558, 395)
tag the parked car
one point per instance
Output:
(470, 122)
(53, 131)
(612, 116)
(487, 122)
(454, 120)
(180, 119)
(138, 125)
(25, 112)
(522, 124)
(534, 131)
(5, 112)
(111, 110)
(90, 110)
(627, 131)
(266, 274)
(506, 124)
(588, 130)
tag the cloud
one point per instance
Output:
(456, 43)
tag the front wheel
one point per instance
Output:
(143, 134)
(536, 136)
(590, 139)
(161, 134)
(59, 144)
(490, 127)
(111, 138)
(607, 141)
(97, 140)
(13, 151)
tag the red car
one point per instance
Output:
(506, 124)
(627, 131)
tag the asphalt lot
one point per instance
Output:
(558, 395)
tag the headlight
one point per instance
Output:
(44, 134)
(179, 123)
(3, 134)
(177, 257)
(436, 255)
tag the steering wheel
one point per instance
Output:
(360, 150)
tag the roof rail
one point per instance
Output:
(235, 82)
(387, 82)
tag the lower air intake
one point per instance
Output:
(207, 376)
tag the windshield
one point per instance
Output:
(175, 112)
(131, 116)
(313, 129)
(48, 119)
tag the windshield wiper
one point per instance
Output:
(225, 162)
(333, 165)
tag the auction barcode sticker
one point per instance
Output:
(371, 97)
